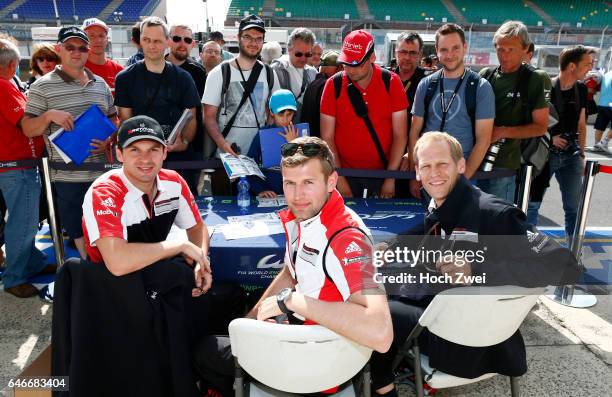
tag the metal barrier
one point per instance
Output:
(570, 295)
(524, 188)
(45, 166)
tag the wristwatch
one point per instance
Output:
(281, 298)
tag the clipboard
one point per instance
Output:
(271, 142)
(74, 146)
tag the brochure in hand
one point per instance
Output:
(240, 166)
(75, 146)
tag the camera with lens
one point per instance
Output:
(491, 156)
(573, 146)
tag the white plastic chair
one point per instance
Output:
(294, 358)
(469, 316)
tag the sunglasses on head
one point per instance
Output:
(177, 39)
(303, 54)
(308, 149)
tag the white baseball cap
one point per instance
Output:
(89, 22)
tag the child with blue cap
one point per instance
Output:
(282, 107)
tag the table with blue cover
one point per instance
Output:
(254, 262)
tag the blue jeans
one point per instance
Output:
(503, 187)
(567, 168)
(21, 191)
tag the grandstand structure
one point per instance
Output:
(69, 11)
(385, 14)
(554, 23)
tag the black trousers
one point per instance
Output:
(136, 331)
(214, 363)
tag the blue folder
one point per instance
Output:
(271, 143)
(92, 124)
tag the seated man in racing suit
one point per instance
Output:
(328, 273)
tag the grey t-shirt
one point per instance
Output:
(458, 123)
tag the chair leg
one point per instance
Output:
(418, 375)
(238, 379)
(515, 388)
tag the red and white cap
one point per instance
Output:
(356, 46)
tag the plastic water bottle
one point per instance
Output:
(243, 198)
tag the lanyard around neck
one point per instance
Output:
(446, 108)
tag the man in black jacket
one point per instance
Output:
(311, 109)
(462, 218)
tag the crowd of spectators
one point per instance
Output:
(360, 115)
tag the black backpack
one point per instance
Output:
(471, 88)
(361, 109)
(226, 72)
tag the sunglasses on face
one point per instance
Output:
(308, 149)
(47, 58)
(303, 54)
(82, 49)
(177, 39)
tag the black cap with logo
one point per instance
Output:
(70, 32)
(137, 128)
(252, 22)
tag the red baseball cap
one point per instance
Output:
(356, 46)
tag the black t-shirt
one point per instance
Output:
(311, 109)
(135, 88)
(410, 87)
(569, 109)
(198, 74)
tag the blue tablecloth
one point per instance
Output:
(254, 262)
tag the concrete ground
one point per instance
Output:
(569, 351)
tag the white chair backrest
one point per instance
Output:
(295, 358)
(479, 316)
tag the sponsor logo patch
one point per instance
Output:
(352, 247)
(165, 206)
(108, 202)
(105, 212)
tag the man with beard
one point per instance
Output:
(162, 91)
(181, 42)
(97, 31)
(334, 288)
(232, 117)
(454, 100)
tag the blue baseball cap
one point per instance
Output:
(282, 100)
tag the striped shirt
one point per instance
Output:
(58, 91)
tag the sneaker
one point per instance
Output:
(598, 147)
(22, 290)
